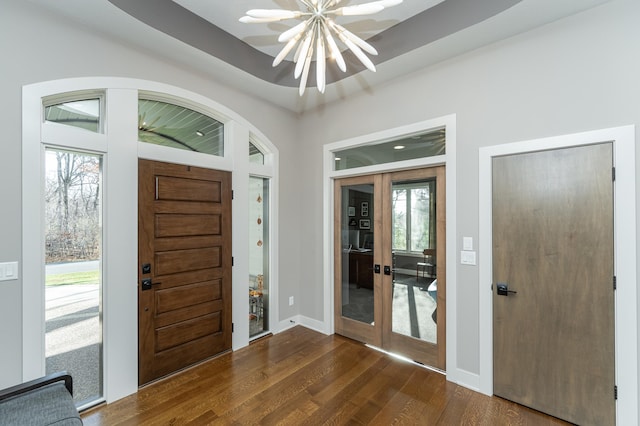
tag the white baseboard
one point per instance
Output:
(313, 324)
(307, 322)
(288, 323)
(466, 379)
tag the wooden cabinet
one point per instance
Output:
(361, 268)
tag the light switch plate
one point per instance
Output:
(8, 271)
(467, 257)
(467, 243)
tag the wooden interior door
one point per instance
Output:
(366, 292)
(358, 291)
(184, 256)
(553, 330)
(410, 340)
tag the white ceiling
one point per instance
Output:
(104, 17)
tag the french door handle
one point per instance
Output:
(387, 270)
(376, 268)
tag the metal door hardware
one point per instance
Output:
(146, 284)
(503, 289)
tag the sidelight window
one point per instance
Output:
(258, 256)
(73, 278)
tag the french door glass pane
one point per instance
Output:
(357, 252)
(420, 218)
(258, 256)
(73, 241)
(414, 280)
(399, 226)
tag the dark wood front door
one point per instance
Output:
(553, 248)
(184, 266)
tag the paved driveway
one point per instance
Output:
(73, 331)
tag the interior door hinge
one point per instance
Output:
(231, 260)
(232, 327)
(232, 194)
(615, 392)
(615, 282)
(613, 174)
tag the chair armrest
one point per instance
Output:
(38, 383)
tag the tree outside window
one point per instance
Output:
(414, 218)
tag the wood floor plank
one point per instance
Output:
(301, 377)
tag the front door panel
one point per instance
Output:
(184, 294)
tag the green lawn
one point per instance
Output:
(90, 277)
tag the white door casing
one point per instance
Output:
(626, 345)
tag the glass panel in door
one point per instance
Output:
(357, 302)
(73, 279)
(415, 285)
(357, 245)
(414, 321)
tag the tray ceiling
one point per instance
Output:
(207, 37)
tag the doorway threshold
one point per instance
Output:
(405, 359)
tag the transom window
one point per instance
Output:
(84, 113)
(255, 155)
(410, 147)
(175, 126)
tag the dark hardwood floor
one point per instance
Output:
(301, 377)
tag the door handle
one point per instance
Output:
(376, 268)
(146, 284)
(503, 289)
(387, 270)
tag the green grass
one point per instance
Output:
(89, 277)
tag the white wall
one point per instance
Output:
(579, 73)
(37, 46)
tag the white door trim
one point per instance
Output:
(626, 350)
(454, 373)
(121, 149)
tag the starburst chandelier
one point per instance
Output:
(315, 34)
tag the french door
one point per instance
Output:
(389, 259)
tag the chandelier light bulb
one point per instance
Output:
(317, 34)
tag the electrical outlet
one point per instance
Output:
(290, 300)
